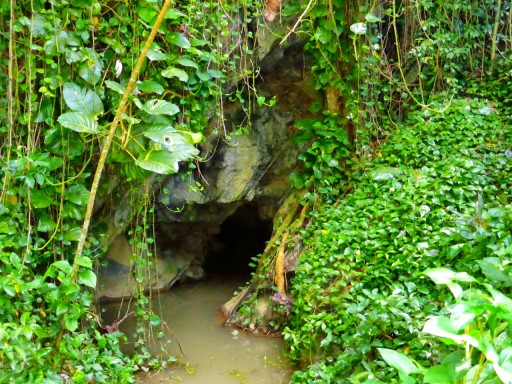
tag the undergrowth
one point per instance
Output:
(436, 194)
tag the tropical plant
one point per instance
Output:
(477, 331)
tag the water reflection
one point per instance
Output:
(213, 354)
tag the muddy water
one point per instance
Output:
(212, 354)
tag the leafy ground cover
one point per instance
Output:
(436, 194)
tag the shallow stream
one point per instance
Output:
(212, 354)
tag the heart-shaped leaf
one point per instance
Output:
(160, 107)
(82, 100)
(158, 161)
(79, 122)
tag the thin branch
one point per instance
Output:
(106, 147)
(309, 6)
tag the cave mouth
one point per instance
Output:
(242, 237)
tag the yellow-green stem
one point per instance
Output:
(105, 150)
(495, 31)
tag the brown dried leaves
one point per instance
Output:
(271, 10)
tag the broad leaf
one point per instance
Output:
(164, 134)
(79, 122)
(81, 3)
(150, 86)
(71, 323)
(163, 162)
(82, 100)
(359, 28)
(73, 234)
(154, 55)
(63, 265)
(445, 373)
(39, 199)
(45, 224)
(78, 195)
(83, 261)
(192, 137)
(183, 151)
(175, 72)
(87, 277)
(385, 173)
(174, 14)
(160, 107)
(445, 275)
(187, 62)
(115, 86)
(91, 70)
(178, 39)
(398, 360)
(172, 140)
(146, 14)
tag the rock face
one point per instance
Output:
(244, 180)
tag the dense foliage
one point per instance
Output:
(408, 174)
(436, 194)
(65, 74)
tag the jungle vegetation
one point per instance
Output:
(405, 217)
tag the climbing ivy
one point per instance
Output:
(64, 73)
(436, 194)
(408, 168)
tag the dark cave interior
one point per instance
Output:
(242, 237)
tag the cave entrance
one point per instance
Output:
(242, 237)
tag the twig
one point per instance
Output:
(310, 4)
(105, 150)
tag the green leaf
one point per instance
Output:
(91, 69)
(115, 86)
(82, 100)
(184, 151)
(146, 14)
(216, 74)
(160, 107)
(385, 173)
(173, 141)
(398, 360)
(187, 62)
(173, 14)
(494, 271)
(40, 199)
(178, 39)
(56, 44)
(163, 162)
(71, 323)
(87, 277)
(441, 374)
(73, 234)
(448, 277)
(371, 18)
(443, 327)
(81, 3)
(78, 122)
(164, 134)
(154, 55)
(192, 137)
(175, 72)
(45, 224)
(150, 86)
(134, 172)
(358, 28)
(83, 261)
(63, 265)
(63, 142)
(78, 195)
